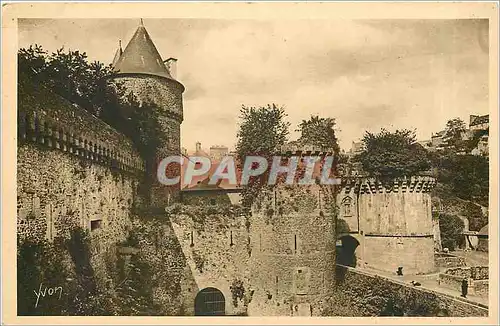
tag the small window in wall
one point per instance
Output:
(346, 205)
(95, 225)
(301, 280)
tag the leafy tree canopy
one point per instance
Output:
(262, 131)
(66, 73)
(455, 129)
(319, 132)
(393, 154)
(464, 176)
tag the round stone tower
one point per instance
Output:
(292, 242)
(141, 71)
(390, 225)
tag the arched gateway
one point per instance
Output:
(209, 302)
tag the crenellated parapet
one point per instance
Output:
(69, 128)
(369, 185)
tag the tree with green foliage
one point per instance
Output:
(475, 216)
(454, 132)
(66, 73)
(70, 75)
(451, 227)
(318, 132)
(388, 155)
(262, 132)
(464, 176)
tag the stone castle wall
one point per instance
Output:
(414, 254)
(361, 293)
(166, 94)
(72, 169)
(174, 286)
(57, 191)
(216, 248)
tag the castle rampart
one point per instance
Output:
(53, 123)
(73, 170)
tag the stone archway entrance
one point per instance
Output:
(346, 255)
(209, 302)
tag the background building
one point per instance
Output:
(217, 152)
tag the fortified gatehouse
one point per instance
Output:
(387, 225)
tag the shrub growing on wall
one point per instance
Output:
(39, 265)
(396, 154)
(136, 290)
(237, 291)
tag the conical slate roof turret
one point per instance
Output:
(141, 56)
(118, 54)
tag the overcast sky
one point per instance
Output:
(366, 74)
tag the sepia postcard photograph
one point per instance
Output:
(312, 163)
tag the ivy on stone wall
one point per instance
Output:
(136, 290)
(65, 268)
(199, 261)
(237, 291)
